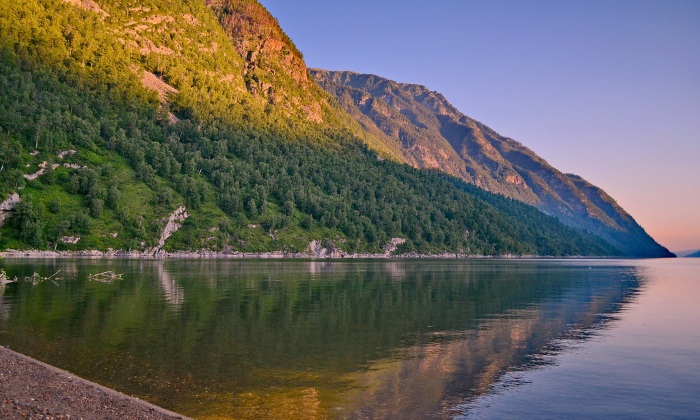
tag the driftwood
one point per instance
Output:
(105, 276)
(4, 280)
(36, 278)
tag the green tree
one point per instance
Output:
(26, 220)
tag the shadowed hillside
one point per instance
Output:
(435, 135)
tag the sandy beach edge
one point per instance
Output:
(30, 388)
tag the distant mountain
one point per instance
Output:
(694, 255)
(435, 135)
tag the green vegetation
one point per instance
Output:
(254, 174)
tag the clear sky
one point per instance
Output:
(606, 89)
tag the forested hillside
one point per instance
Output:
(114, 115)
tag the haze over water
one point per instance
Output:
(378, 339)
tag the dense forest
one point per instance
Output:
(96, 155)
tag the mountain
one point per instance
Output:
(168, 126)
(694, 255)
(435, 135)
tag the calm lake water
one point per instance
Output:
(371, 339)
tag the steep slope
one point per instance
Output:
(275, 72)
(214, 62)
(435, 135)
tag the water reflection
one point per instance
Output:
(4, 306)
(174, 294)
(444, 370)
(357, 339)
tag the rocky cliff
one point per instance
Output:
(274, 71)
(274, 68)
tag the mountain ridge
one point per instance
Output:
(436, 135)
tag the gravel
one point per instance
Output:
(30, 389)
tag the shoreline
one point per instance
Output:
(30, 388)
(223, 255)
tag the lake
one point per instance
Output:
(370, 338)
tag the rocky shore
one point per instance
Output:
(204, 254)
(30, 389)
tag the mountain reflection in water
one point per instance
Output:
(260, 338)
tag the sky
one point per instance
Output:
(608, 90)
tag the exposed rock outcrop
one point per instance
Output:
(90, 5)
(70, 239)
(7, 207)
(66, 153)
(43, 167)
(393, 244)
(153, 82)
(324, 249)
(274, 68)
(174, 223)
